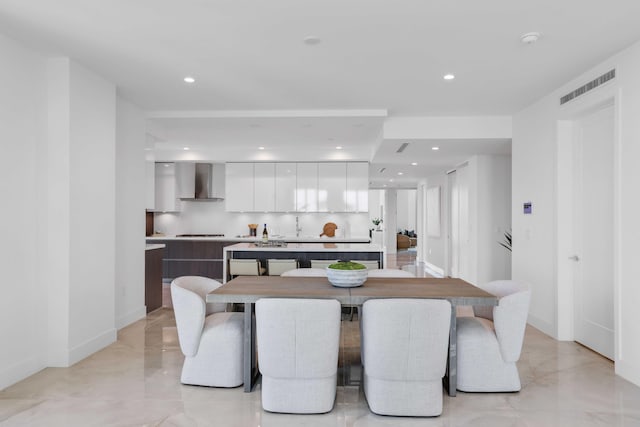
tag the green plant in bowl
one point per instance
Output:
(347, 265)
(347, 274)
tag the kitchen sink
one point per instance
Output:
(200, 235)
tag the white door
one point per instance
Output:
(459, 220)
(593, 232)
(454, 239)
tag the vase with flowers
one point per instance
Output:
(377, 222)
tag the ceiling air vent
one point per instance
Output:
(402, 147)
(382, 170)
(586, 88)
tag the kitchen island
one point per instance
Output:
(303, 253)
(202, 254)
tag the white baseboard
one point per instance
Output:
(132, 316)
(628, 372)
(435, 269)
(542, 326)
(92, 345)
(19, 371)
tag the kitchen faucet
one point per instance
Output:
(298, 229)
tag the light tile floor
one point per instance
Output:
(135, 382)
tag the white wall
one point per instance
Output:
(210, 217)
(489, 213)
(130, 208)
(22, 306)
(92, 213)
(494, 217)
(536, 256)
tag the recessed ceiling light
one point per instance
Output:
(435, 148)
(400, 173)
(384, 185)
(185, 148)
(260, 148)
(166, 165)
(312, 40)
(530, 38)
(414, 164)
(189, 79)
(391, 180)
(449, 77)
(338, 147)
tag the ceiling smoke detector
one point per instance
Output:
(529, 38)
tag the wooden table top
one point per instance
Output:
(248, 289)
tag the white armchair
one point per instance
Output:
(202, 286)
(489, 344)
(211, 344)
(298, 354)
(404, 355)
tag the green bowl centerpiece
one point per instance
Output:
(347, 274)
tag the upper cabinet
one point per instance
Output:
(357, 193)
(239, 187)
(150, 199)
(264, 187)
(332, 187)
(166, 195)
(285, 191)
(307, 187)
(297, 187)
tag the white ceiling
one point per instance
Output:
(249, 58)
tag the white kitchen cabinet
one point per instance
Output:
(264, 187)
(332, 187)
(285, 191)
(165, 188)
(185, 180)
(357, 194)
(218, 180)
(150, 199)
(307, 187)
(239, 187)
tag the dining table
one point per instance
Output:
(247, 290)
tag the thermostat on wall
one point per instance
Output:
(527, 207)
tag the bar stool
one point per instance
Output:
(371, 265)
(322, 263)
(245, 267)
(276, 267)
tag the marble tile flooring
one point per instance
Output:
(135, 382)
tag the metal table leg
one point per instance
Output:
(450, 382)
(250, 370)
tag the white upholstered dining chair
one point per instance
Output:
(490, 343)
(298, 353)
(305, 272)
(212, 344)
(404, 355)
(389, 272)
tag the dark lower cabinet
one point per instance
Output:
(193, 258)
(153, 278)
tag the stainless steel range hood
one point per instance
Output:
(207, 181)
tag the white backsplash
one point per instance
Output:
(210, 217)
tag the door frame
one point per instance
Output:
(607, 96)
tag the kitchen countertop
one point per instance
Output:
(306, 247)
(292, 239)
(151, 246)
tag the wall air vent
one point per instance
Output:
(402, 147)
(586, 88)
